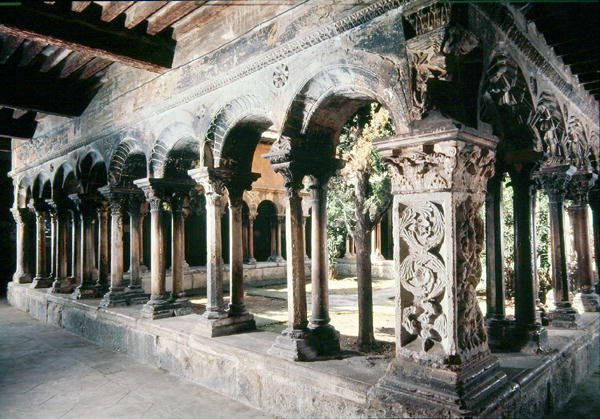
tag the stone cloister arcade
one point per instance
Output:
(211, 164)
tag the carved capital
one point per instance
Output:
(555, 180)
(21, 215)
(579, 187)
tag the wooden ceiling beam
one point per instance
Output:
(85, 32)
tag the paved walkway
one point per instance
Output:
(47, 372)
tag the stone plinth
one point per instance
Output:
(225, 326)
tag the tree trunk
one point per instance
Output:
(362, 239)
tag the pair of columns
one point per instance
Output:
(303, 340)
(277, 226)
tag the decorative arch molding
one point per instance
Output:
(158, 156)
(60, 176)
(118, 159)
(353, 82)
(548, 124)
(243, 109)
(172, 136)
(42, 181)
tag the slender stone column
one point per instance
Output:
(41, 279)
(143, 214)
(116, 295)
(530, 335)
(251, 260)
(237, 306)
(87, 206)
(75, 277)
(103, 244)
(279, 230)
(22, 274)
(304, 242)
(439, 177)
(181, 302)
(61, 284)
(555, 179)
(159, 305)
(295, 341)
(376, 243)
(594, 200)
(585, 296)
(274, 226)
(327, 337)
(53, 241)
(215, 204)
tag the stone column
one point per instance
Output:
(530, 335)
(143, 214)
(585, 296)
(135, 293)
(116, 295)
(251, 260)
(158, 306)
(237, 306)
(280, 227)
(304, 221)
(326, 337)
(182, 305)
(295, 342)
(62, 284)
(53, 241)
(376, 243)
(75, 277)
(495, 288)
(594, 200)
(87, 207)
(440, 174)
(22, 274)
(41, 279)
(103, 244)
(554, 180)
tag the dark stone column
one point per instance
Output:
(87, 207)
(75, 277)
(594, 200)
(585, 296)
(41, 279)
(251, 260)
(181, 304)
(327, 338)
(530, 335)
(295, 342)
(554, 180)
(62, 283)
(143, 214)
(53, 240)
(103, 244)
(22, 218)
(116, 295)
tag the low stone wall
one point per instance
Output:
(238, 366)
(194, 277)
(380, 268)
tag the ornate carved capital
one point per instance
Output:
(555, 180)
(579, 187)
(440, 160)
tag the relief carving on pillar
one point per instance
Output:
(422, 274)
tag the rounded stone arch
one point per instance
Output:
(326, 101)
(127, 148)
(549, 127)
(91, 171)
(65, 181)
(505, 102)
(235, 130)
(42, 186)
(23, 192)
(169, 139)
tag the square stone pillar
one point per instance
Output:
(443, 365)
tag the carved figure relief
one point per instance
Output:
(280, 75)
(547, 123)
(423, 274)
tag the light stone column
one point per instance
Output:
(115, 295)
(87, 207)
(22, 274)
(294, 342)
(103, 246)
(237, 306)
(134, 289)
(554, 180)
(182, 305)
(326, 336)
(439, 177)
(158, 306)
(251, 260)
(585, 296)
(75, 277)
(143, 214)
(62, 283)
(304, 242)
(53, 240)
(41, 279)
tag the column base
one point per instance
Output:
(532, 339)
(136, 295)
(565, 317)
(588, 301)
(41, 282)
(500, 333)
(114, 298)
(276, 259)
(294, 345)
(157, 308)
(422, 389)
(326, 339)
(250, 261)
(86, 292)
(211, 327)
(182, 307)
(21, 278)
(63, 286)
(144, 268)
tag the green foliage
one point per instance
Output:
(356, 148)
